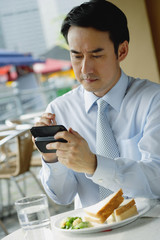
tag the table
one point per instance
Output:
(7, 133)
(24, 121)
(30, 116)
(147, 228)
(4, 127)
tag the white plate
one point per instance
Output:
(143, 205)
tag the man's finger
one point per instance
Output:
(69, 135)
(74, 133)
(47, 119)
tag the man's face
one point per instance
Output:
(93, 58)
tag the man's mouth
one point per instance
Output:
(90, 80)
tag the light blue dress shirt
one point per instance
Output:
(134, 116)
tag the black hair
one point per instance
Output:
(101, 15)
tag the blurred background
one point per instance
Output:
(35, 68)
(34, 62)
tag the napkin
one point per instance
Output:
(154, 209)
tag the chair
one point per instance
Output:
(3, 227)
(11, 165)
(18, 163)
(26, 121)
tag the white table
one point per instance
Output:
(30, 116)
(7, 133)
(147, 228)
(4, 127)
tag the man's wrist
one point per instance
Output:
(54, 160)
(94, 165)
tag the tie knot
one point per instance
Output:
(102, 104)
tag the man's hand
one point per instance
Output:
(74, 154)
(47, 119)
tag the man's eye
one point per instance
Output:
(77, 56)
(97, 56)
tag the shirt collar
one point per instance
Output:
(89, 99)
(114, 97)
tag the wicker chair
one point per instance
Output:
(18, 163)
(15, 163)
(35, 163)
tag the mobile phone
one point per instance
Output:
(45, 134)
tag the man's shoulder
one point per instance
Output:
(71, 96)
(143, 86)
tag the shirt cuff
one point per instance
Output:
(55, 167)
(105, 171)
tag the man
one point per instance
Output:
(98, 37)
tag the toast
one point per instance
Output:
(100, 211)
(126, 210)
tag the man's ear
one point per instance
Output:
(122, 51)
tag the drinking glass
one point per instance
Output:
(34, 218)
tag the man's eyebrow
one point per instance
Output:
(92, 51)
(96, 50)
(74, 51)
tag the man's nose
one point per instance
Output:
(87, 66)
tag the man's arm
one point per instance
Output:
(59, 183)
(138, 172)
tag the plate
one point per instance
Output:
(143, 205)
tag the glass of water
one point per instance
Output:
(34, 217)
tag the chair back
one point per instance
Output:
(25, 149)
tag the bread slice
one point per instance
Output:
(126, 210)
(93, 219)
(111, 218)
(103, 209)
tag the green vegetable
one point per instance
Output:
(74, 223)
(82, 225)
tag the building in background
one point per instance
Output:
(32, 25)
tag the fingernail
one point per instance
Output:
(52, 123)
(48, 146)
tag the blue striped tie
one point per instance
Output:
(105, 142)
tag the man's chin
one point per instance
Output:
(89, 89)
